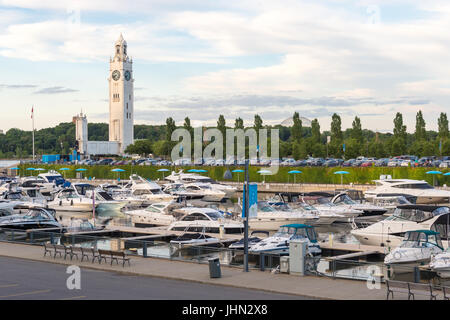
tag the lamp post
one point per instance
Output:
(247, 208)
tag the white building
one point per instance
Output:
(121, 108)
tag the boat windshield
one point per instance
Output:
(297, 233)
(35, 215)
(307, 207)
(422, 186)
(421, 240)
(54, 178)
(152, 209)
(265, 207)
(414, 215)
(344, 199)
(213, 215)
(68, 194)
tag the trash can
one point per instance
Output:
(214, 268)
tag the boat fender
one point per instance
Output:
(60, 202)
(71, 202)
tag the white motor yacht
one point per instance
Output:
(324, 217)
(156, 214)
(270, 218)
(46, 187)
(147, 190)
(390, 231)
(205, 189)
(35, 217)
(326, 207)
(391, 201)
(120, 193)
(425, 193)
(440, 263)
(79, 198)
(416, 249)
(52, 177)
(279, 242)
(369, 210)
(206, 220)
(181, 177)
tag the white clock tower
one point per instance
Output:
(121, 97)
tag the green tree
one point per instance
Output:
(141, 147)
(357, 132)
(443, 126)
(315, 131)
(296, 130)
(336, 131)
(187, 126)
(221, 125)
(420, 133)
(239, 123)
(170, 127)
(399, 128)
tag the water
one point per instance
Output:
(8, 163)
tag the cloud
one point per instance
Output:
(55, 90)
(17, 86)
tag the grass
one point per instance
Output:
(308, 175)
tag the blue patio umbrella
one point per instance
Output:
(118, 170)
(64, 169)
(238, 171)
(264, 173)
(41, 169)
(342, 174)
(447, 174)
(294, 172)
(434, 173)
(162, 170)
(202, 171)
(30, 169)
(80, 170)
(192, 170)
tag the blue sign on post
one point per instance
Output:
(252, 200)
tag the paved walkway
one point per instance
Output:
(311, 286)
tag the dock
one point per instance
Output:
(162, 231)
(352, 247)
(352, 255)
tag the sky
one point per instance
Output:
(203, 58)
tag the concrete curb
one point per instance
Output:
(125, 272)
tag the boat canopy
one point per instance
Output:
(422, 238)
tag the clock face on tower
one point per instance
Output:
(127, 75)
(116, 75)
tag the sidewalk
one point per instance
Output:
(311, 286)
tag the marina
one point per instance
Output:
(220, 150)
(203, 235)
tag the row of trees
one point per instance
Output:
(300, 142)
(296, 141)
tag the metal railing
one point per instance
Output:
(141, 247)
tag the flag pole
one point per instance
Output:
(32, 118)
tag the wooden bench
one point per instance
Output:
(81, 250)
(116, 255)
(59, 249)
(412, 289)
(102, 255)
(48, 248)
